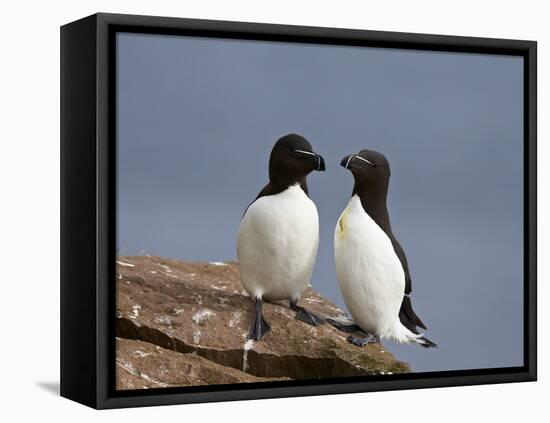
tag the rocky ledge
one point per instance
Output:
(182, 324)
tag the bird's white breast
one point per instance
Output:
(371, 277)
(277, 245)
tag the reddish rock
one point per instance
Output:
(141, 365)
(202, 309)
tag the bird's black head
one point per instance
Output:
(293, 158)
(371, 171)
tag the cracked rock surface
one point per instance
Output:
(185, 323)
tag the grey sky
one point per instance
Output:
(197, 119)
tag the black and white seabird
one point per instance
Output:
(279, 233)
(370, 264)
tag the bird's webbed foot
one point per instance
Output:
(361, 342)
(306, 316)
(344, 327)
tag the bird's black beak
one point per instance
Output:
(353, 160)
(345, 161)
(320, 163)
(311, 156)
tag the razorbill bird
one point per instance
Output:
(370, 264)
(279, 233)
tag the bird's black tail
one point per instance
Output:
(426, 343)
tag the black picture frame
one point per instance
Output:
(88, 152)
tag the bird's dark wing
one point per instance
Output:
(406, 314)
(408, 317)
(403, 259)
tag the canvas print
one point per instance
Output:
(291, 211)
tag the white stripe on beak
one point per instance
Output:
(349, 159)
(365, 160)
(305, 152)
